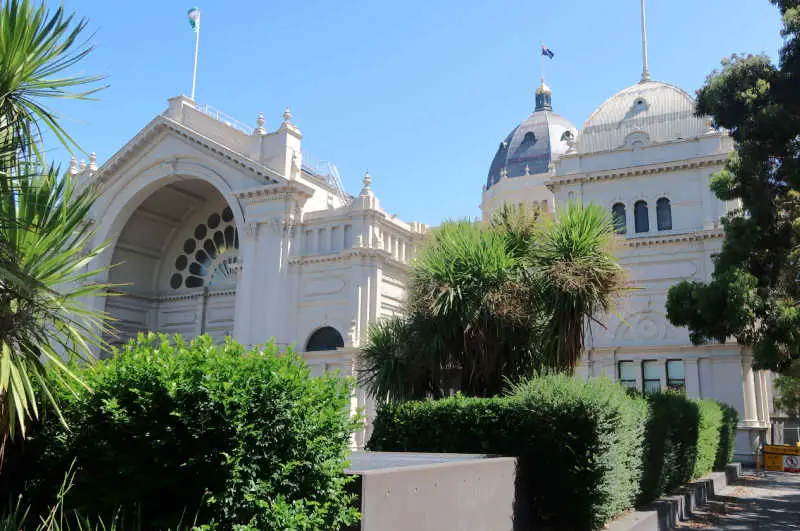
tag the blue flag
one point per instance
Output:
(546, 51)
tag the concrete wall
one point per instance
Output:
(472, 494)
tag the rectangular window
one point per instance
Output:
(627, 374)
(676, 376)
(651, 379)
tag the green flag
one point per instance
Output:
(194, 18)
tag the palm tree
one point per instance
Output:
(575, 277)
(469, 325)
(491, 304)
(44, 227)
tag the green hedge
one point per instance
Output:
(727, 436)
(684, 439)
(196, 432)
(579, 443)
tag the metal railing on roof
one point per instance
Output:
(227, 119)
(326, 171)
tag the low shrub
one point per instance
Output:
(579, 443)
(176, 431)
(727, 436)
(708, 439)
(684, 440)
(670, 444)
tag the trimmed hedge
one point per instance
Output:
(196, 432)
(685, 439)
(579, 443)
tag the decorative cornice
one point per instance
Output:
(161, 124)
(665, 239)
(635, 171)
(276, 192)
(348, 255)
(176, 297)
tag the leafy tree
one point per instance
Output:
(44, 229)
(754, 292)
(787, 396)
(492, 303)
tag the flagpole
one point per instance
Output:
(541, 56)
(196, 49)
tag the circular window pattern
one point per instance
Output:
(209, 255)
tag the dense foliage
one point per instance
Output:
(684, 439)
(579, 443)
(492, 303)
(753, 294)
(44, 229)
(587, 449)
(787, 395)
(174, 431)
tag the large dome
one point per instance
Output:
(534, 143)
(648, 112)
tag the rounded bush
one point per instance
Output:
(174, 431)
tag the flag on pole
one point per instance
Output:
(546, 51)
(194, 18)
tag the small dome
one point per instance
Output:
(648, 112)
(534, 143)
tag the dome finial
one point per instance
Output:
(645, 69)
(544, 98)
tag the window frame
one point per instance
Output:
(663, 209)
(645, 380)
(639, 228)
(624, 382)
(620, 221)
(676, 386)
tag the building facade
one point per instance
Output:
(218, 228)
(645, 156)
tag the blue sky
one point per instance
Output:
(418, 92)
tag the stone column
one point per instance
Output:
(748, 388)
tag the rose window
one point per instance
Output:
(208, 256)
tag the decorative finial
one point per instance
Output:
(287, 115)
(367, 181)
(82, 165)
(73, 165)
(92, 161)
(527, 170)
(260, 124)
(645, 69)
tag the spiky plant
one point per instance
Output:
(575, 278)
(44, 226)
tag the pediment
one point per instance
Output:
(164, 141)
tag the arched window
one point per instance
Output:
(620, 219)
(640, 219)
(664, 214)
(325, 338)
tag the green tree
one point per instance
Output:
(787, 395)
(754, 292)
(492, 303)
(44, 229)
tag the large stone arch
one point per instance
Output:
(144, 218)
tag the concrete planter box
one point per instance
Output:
(434, 492)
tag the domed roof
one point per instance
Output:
(534, 143)
(648, 112)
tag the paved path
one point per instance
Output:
(767, 503)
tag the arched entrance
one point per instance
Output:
(175, 261)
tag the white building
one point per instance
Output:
(645, 156)
(222, 229)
